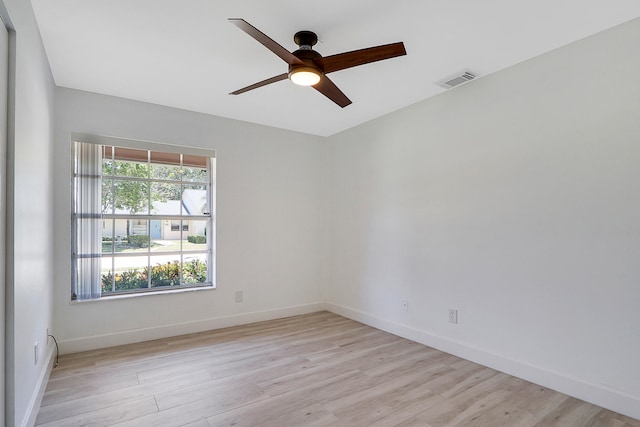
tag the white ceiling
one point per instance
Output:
(185, 54)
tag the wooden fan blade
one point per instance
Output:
(354, 58)
(265, 40)
(326, 87)
(260, 84)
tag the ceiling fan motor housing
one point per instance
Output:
(310, 59)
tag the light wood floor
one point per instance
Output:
(313, 370)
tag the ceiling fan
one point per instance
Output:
(308, 68)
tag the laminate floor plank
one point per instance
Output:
(311, 393)
(466, 401)
(96, 401)
(133, 409)
(393, 406)
(73, 388)
(313, 370)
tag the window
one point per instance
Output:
(142, 218)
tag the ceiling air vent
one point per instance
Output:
(456, 79)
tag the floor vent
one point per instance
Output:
(456, 79)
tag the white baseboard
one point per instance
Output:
(598, 395)
(95, 342)
(38, 392)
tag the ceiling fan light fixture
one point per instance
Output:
(305, 76)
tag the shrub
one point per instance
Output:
(138, 241)
(127, 280)
(106, 282)
(197, 238)
(131, 279)
(165, 274)
(194, 271)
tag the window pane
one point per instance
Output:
(130, 169)
(131, 197)
(131, 273)
(106, 273)
(130, 162)
(170, 230)
(160, 239)
(138, 240)
(107, 196)
(194, 270)
(165, 198)
(194, 200)
(171, 172)
(107, 236)
(165, 270)
(194, 174)
(120, 241)
(196, 237)
(107, 167)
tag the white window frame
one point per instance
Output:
(210, 217)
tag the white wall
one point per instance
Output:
(269, 227)
(516, 200)
(29, 221)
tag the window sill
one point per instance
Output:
(143, 294)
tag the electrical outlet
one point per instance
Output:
(239, 296)
(453, 316)
(35, 353)
(405, 305)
